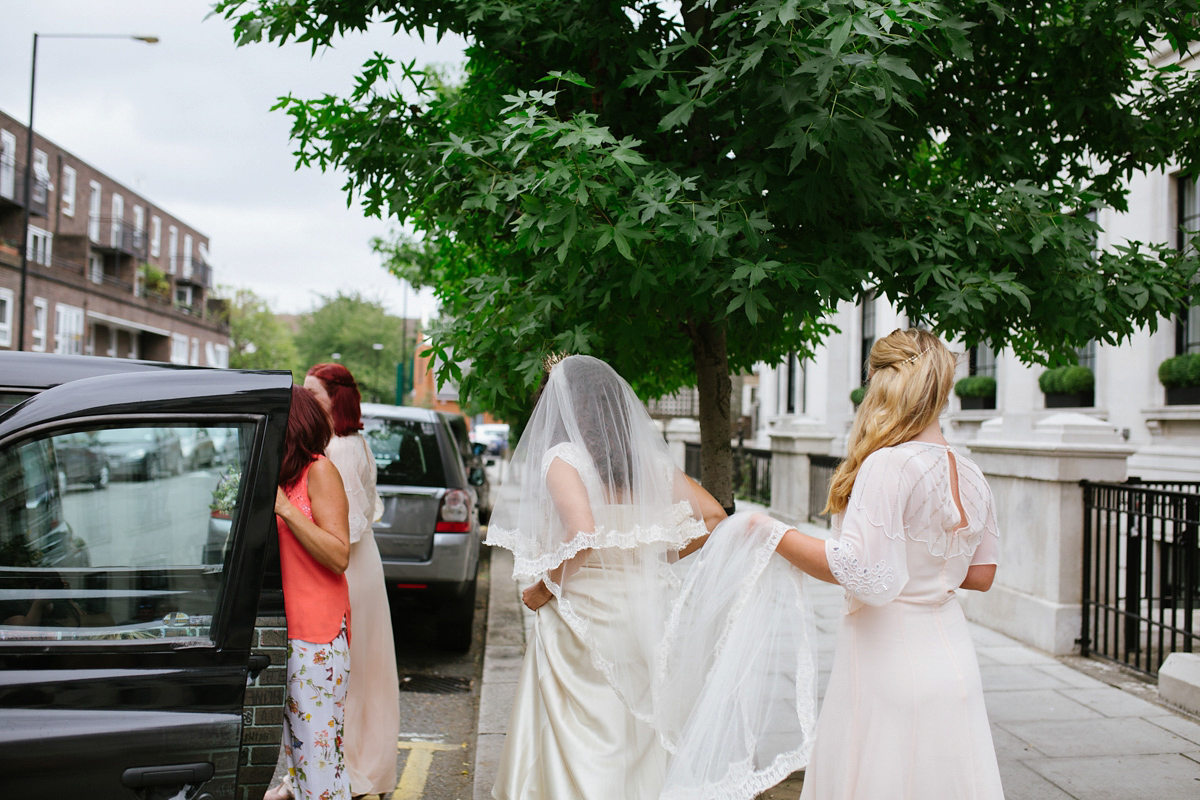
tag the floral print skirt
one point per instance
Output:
(314, 718)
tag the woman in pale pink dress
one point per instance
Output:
(903, 716)
(373, 699)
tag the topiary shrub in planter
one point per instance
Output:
(976, 392)
(1181, 377)
(1068, 387)
(857, 395)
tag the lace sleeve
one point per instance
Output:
(347, 455)
(977, 498)
(868, 555)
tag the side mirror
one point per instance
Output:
(478, 448)
(476, 476)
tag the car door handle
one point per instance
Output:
(257, 663)
(167, 775)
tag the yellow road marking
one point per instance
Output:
(416, 768)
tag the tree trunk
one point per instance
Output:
(712, 382)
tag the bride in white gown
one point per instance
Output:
(645, 676)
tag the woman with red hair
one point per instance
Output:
(373, 702)
(314, 550)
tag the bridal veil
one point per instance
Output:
(714, 651)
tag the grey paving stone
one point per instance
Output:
(1098, 737)
(1178, 726)
(1011, 748)
(503, 667)
(1009, 677)
(495, 706)
(986, 637)
(1124, 777)
(1014, 654)
(1112, 702)
(1072, 677)
(1036, 704)
(1022, 783)
(488, 747)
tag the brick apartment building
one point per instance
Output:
(109, 272)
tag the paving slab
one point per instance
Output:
(1023, 783)
(1010, 677)
(1069, 676)
(1035, 704)
(1098, 737)
(1014, 654)
(1112, 702)
(1179, 726)
(1125, 777)
(1011, 748)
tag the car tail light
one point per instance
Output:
(412, 586)
(454, 514)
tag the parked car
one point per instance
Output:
(142, 453)
(472, 458)
(429, 536)
(493, 436)
(130, 680)
(82, 461)
(196, 448)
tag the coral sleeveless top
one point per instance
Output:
(316, 599)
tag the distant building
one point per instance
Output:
(109, 272)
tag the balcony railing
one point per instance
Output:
(12, 191)
(199, 274)
(118, 235)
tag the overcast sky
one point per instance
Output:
(186, 122)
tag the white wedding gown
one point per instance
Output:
(903, 714)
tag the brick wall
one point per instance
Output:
(262, 713)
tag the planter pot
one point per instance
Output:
(1080, 400)
(1183, 396)
(977, 403)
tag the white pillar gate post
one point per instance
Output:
(1034, 470)
(792, 440)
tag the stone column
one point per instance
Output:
(792, 440)
(1034, 470)
(678, 431)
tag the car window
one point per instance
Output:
(406, 451)
(106, 534)
(10, 399)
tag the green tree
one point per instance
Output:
(685, 193)
(351, 326)
(258, 340)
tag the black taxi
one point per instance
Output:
(125, 639)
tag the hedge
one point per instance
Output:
(1180, 371)
(1067, 380)
(976, 386)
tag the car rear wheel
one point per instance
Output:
(456, 618)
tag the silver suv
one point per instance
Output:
(429, 536)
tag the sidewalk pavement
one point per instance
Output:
(1059, 733)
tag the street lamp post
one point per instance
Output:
(28, 182)
(378, 348)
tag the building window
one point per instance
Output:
(183, 295)
(95, 268)
(8, 164)
(791, 386)
(981, 360)
(68, 191)
(39, 245)
(1187, 326)
(194, 360)
(216, 355)
(6, 317)
(41, 176)
(68, 329)
(1087, 356)
(867, 306)
(139, 227)
(94, 211)
(41, 314)
(118, 217)
(187, 255)
(179, 348)
(172, 248)
(155, 236)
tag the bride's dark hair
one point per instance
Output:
(597, 395)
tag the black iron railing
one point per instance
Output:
(752, 475)
(1141, 572)
(820, 475)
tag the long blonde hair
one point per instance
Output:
(911, 375)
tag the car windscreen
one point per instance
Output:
(406, 451)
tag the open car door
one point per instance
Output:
(125, 631)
